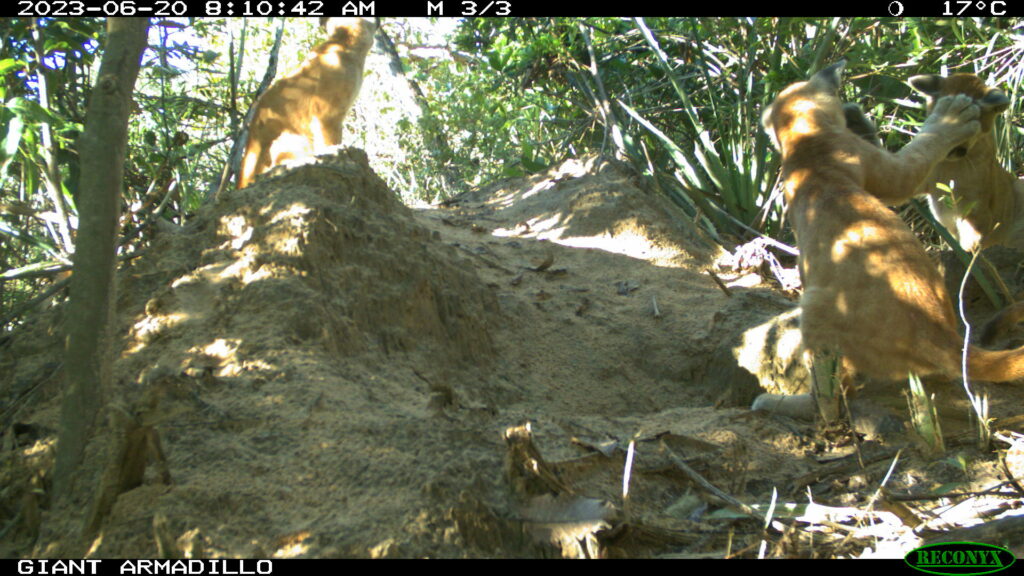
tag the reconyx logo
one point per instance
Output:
(959, 558)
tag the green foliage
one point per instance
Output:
(686, 94)
(923, 415)
(28, 226)
(507, 102)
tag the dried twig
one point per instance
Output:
(710, 488)
(719, 282)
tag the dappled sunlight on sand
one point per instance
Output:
(626, 239)
(149, 327)
(592, 204)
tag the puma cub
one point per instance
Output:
(871, 293)
(301, 113)
(987, 201)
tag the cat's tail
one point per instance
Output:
(995, 365)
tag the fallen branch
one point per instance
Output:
(710, 488)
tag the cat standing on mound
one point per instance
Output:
(301, 114)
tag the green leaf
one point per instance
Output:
(9, 64)
(11, 141)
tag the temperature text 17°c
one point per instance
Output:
(974, 8)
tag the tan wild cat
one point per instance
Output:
(987, 201)
(301, 114)
(871, 293)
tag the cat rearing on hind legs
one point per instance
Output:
(871, 293)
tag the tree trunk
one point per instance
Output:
(89, 355)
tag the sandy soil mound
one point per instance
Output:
(333, 374)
